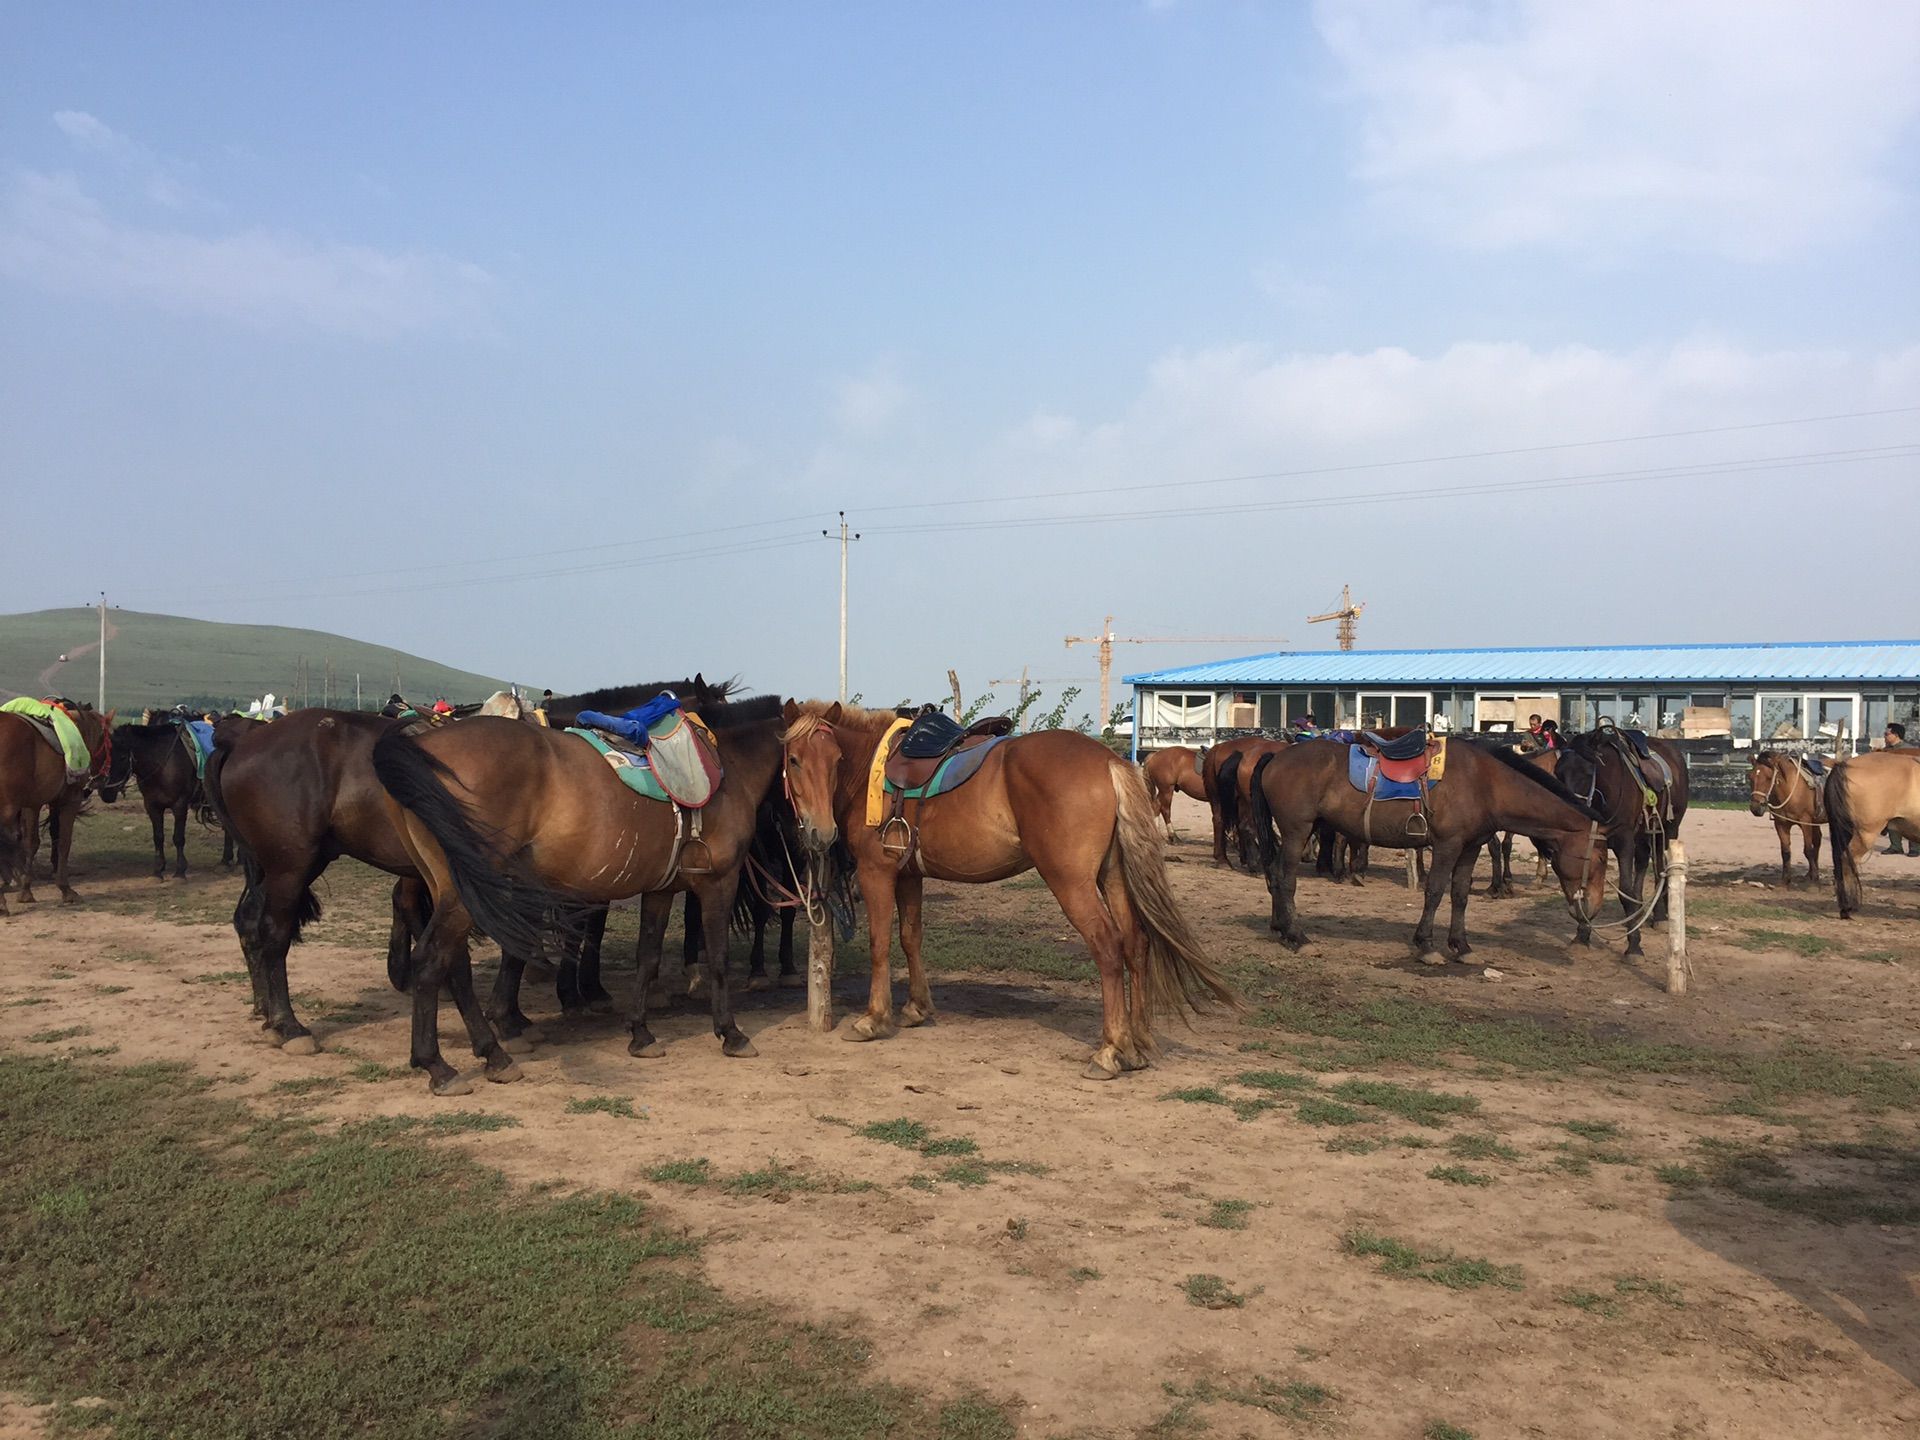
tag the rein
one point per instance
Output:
(1773, 770)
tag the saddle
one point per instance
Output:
(935, 756)
(1410, 746)
(662, 752)
(197, 736)
(1403, 768)
(53, 722)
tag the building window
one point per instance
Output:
(1273, 713)
(1742, 708)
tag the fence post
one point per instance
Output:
(1413, 868)
(1678, 968)
(820, 976)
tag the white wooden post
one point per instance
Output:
(1678, 968)
(820, 976)
(1413, 868)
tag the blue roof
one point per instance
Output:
(1796, 663)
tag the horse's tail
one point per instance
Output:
(1260, 816)
(1179, 975)
(505, 901)
(1226, 792)
(13, 854)
(1842, 827)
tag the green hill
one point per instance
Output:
(155, 660)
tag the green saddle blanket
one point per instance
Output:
(73, 746)
(634, 771)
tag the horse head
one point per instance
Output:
(810, 767)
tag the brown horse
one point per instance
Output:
(1053, 801)
(1334, 856)
(516, 828)
(33, 777)
(1638, 816)
(1481, 792)
(1784, 788)
(1175, 769)
(156, 758)
(1212, 761)
(1865, 795)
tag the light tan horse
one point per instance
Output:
(1783, 788)
(1175, 769)
(1053, 801)
(1865, 795)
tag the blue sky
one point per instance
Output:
(501, 334)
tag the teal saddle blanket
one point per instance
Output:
(630, 765)
(953, 772)
(197, 735)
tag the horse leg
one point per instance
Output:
(1283, 878)
(1784, 832)
(459, 976)
(1462, 889)
(432, 958)
(1810, 844)
(157, 818)
(876, 888)
(180, 840)
(1439, 877)
(247, 912)
(757, 955)
(1133, 953)
(716, 911)
(1080, 901)
(919, 1007)
(1219, 836)
(29, 822)
(226, 848)
(577, 979)
(1659, 872)
(1633, 862)
(281, 901)
(655, 909)
(1357, 863)
(788, 974)
(694, 962)
(518, 1035)
(63, 818)
(1500, 855)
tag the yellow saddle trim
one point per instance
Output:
(877, 774)
(1437, 766)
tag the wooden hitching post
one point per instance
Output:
(820, 976)
(1678, 969)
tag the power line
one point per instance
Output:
(1361, 466)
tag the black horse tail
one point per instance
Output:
(1260, 815)
(505, 901)
(1226, 793)
(1842, 828)
(1249, 832)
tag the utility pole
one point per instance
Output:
(844, 539)
(102, 706)
(356, 689)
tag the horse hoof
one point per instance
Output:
(740, 1049)
(516, 1044)
(534, 1035)
(866, 1027)
(505, 1074)
(1105, 1065)
(301, 1045)
(912, 1015)
(792, 980)
(648, 1050)
(1431, 957)
(758, 982)
(454, 1085)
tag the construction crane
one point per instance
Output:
(1026, 682)
(1347, 614)
(1106, 640)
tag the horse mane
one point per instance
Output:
(139, 730)
(1513, 760)
(616, 699)
(732, 714)
(852, 717)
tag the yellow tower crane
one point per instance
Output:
(1347, 614)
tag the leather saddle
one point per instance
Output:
(933, 739)
(1404, 757)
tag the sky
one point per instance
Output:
(546, 341)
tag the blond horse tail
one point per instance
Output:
(1841, 829)
(1179, 975)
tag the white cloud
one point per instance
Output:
(89, 132)
(56, 236)
(1745, 128)
(865, 405)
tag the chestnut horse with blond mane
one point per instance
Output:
(1175, 770)
(33, 776)
(1054, 801)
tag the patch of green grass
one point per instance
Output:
(1572, 1161)
(1316, 1111)
(617, 1105)
(968, 1173)
(1481, 1147)
(1017, 1229)
(1681, 1177)
(1227, 1214)
(308, 1085)
(1354, 1145)
(1440, 1267)
(1593, 1129)
(1663, 1291)
(907, 1134)
(111, 989)
(987, 947)
(1800, 942)
(26, 1000)
(1275, 1080)
(337, 1284)
(921, 1182)
(1210, 1292)
(1412, 1142)
(466, 1122)
(1838, 1183)
(373, 1072)
(1247, 1109)
(1017, 1167)
(1082, 1273)
(54, 1037)
(681, 1172)
(949, 1145)
(219, 977)
(1587, 1300)
(1441, 1430)
(1458, 1175)
(1199, 1095)
(1422, 1106)
(773, 1179)
(1878, 957)
(60, 974)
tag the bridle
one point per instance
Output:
(1773, 772)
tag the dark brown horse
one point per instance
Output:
(1865, 795)
(516, 828)
(157, 758)
(1335, 857)
(1053, 801)
(1212, 762)
(33, 777)
(1481, 792)
(1638, 815)
(1783, 787)
(1175, 770)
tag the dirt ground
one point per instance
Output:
(1050, 1264)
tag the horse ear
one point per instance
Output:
(699, 682)
(790, 712)
(832, 717)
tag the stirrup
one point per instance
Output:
(900, 846)
(1417, 826)
(705, 864)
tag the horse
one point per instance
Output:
(1482, 791)
(1051, 800)
(1866, 794)
(1601, 767)
(33, 777)
(517, 829)
(1175, 769)
(1212, 761)
(157, 758)
(295, 796)
(1781, 787)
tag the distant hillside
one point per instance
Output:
(163, 659)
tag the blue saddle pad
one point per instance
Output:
(1638, 740)
(954, 772)
(1815, 767)
(202, 746)
(1360, 770)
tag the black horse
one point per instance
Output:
(159, 759)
